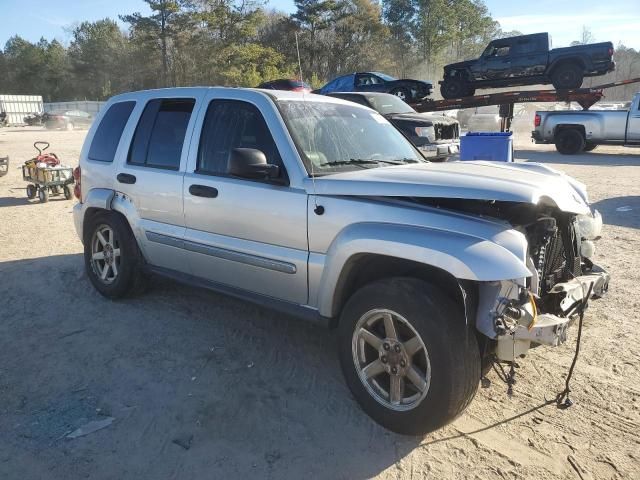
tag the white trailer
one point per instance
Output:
(19, 106)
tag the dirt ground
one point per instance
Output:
(203, 386)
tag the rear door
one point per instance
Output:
(529, 57)
(151, 176)
(368, 82)
(246, 234)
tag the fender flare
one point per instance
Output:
(573, 58)
(465, 257)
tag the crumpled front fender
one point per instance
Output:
(463, 256)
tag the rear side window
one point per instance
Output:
(160, 133)
(107, 136)
(233, 124)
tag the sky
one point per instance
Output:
(613, 20)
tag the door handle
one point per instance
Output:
(203, 191)
(126, 178)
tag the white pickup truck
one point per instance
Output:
(577, 131)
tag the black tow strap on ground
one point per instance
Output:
(562, 399)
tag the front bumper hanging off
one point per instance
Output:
(548, 329)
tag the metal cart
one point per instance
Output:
(47, 181)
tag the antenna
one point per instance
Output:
(318, 209)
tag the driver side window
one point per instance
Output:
(230, 124)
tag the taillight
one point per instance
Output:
(300, 89)
(610, 51)
(77, 190)
(537, 120)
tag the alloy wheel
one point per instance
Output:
(105, 254)
(391, 359)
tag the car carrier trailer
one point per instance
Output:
(585, 97)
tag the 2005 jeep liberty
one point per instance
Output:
(321, 209)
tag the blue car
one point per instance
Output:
(405, 89)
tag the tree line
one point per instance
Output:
(243, 42)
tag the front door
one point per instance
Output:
(496, 62)
(633, 124)
(248, 234)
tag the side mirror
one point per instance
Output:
(251, 163)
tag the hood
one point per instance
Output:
(426, 118)
(473, 180)
(453, 66)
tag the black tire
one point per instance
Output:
(452, 350)
(590, 146)
(567, 76)
(68, 194)
(32, 191)
(455, 87)
(43, 194)
(402, 93)
(570, 141)
(130, 278)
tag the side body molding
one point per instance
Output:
(463, 256)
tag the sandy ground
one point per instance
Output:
(203, 386)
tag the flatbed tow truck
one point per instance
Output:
(585, 97)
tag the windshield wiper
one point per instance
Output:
(363, 161)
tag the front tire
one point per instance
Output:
(570, 141)
(455, 87)
(111, 256)
(407, 355)
(402, 93)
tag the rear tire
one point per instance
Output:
(567, 76)
(32, 191)
(570, 141)
(452, 370)
(68, 194)
(43, 195)
(127, 278)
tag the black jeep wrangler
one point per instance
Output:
(527, 60)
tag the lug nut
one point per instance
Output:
(394, 370)
(383, 359)
(386, 346)
(403, 363)
(397, 348)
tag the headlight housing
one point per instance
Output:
(589, 226)
(428, 132)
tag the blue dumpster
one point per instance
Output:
(496, 146)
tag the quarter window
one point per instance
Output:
(107, 136)
(231, 124)
(160, 133)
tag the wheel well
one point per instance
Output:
(565, 61)
(569, 126)
(93, 211)
(366, 268)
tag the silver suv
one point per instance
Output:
(321, 209)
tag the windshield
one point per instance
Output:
(386, 104)
(385, 77)
(331, 137)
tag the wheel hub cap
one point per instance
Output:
(391, 359)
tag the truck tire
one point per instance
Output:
(402, 93)
(570, 141)
(589, 146)
(567, 76)
(455, 87)
(112, 258)
(407, 355)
